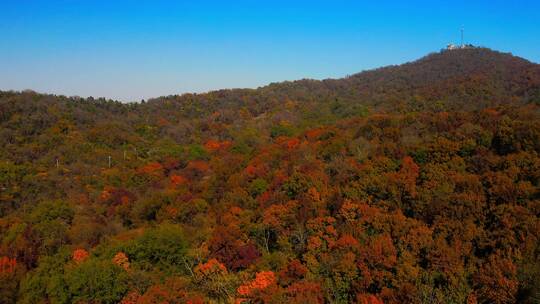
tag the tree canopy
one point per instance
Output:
(417, 183)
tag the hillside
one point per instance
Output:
(444, 80)
(417, 183)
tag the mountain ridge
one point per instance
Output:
(432, 78)
(429, 59)
(456, 80)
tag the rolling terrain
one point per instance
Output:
(416, 183)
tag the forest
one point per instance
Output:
(416, 183)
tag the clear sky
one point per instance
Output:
(129, 50)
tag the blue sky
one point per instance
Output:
(130, 50)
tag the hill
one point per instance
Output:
(448, 79)
(416, 183)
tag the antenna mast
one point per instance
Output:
(462, 42)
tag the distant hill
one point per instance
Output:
(458, 79)
(455, 79)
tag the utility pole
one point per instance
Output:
(109, 161)
(462, 41)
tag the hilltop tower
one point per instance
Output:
(452, 46)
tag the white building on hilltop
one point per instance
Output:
(452, 46)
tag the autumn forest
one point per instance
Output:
(417, 183)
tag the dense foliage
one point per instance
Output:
(417, 183)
